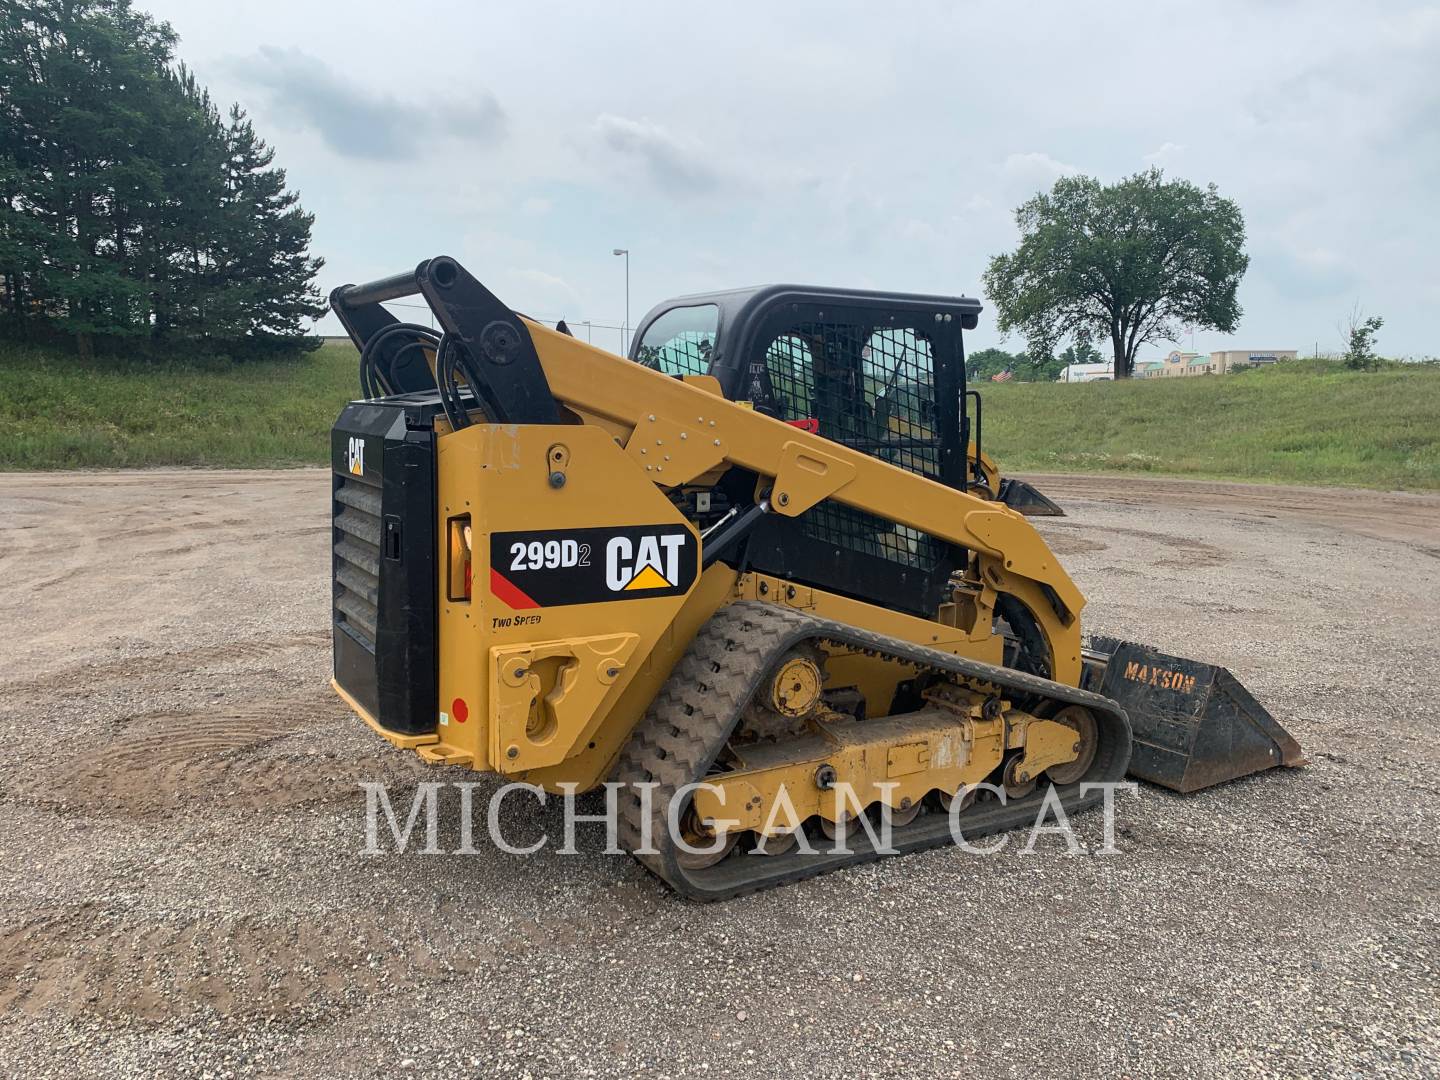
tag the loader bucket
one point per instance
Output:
(1194, 724)
(1018, 495)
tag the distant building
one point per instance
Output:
(1176, 365)
(1179, 365)
(1184, 364)
(1233, 358)
(1086, 373)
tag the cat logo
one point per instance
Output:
(355, 456)
(646, 562)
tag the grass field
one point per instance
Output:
(1305, 423)
(1301, 423)
(57, 412)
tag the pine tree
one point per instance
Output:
(76, 78)
(187, 223)
(269, 274)
(128, 207)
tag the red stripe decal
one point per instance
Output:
(508, 591)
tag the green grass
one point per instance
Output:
(1303, 423)
(57, 412)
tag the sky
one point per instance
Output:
(881, 145)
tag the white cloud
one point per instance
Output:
(1166, 155)
(840, 150)
(1020, 176)
(678, 164)
(1035, 165)
(541, 279)
(356, 121)
(1320, 258)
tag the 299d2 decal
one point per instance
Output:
(589, 566)
(547, 554)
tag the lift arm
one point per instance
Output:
(679, 430)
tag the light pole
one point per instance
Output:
(625, 330)
(587, 331)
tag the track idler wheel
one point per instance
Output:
(788, 697)
(698, 838)
(904, 815)
(966, 795)
(776, 845)
(1016, 788)
(794, 689)
(1088, 738)
(847, 826)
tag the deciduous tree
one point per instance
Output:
(1360, 334)
(1130, 262)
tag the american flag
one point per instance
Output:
(1004, 376)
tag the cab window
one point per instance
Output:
(680, 341)
(870, 386)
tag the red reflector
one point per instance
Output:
(810, 424)
(459, 711)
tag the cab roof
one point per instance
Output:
(740, 306)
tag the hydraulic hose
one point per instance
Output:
(374, 378)
(452, 359)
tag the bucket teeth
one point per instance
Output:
(1195, 724)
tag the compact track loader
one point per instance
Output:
(760, 563)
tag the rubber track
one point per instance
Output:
(691, 718)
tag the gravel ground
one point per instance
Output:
(182, 890)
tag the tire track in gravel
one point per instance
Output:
(83, 960)
(157, 665)
(200, 760)
(1411, 518)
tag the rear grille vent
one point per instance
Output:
(357, 558)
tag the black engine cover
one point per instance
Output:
(383, 572)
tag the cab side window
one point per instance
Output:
(900, 389)
(680, 341)
(871, 387)
(788, 363)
